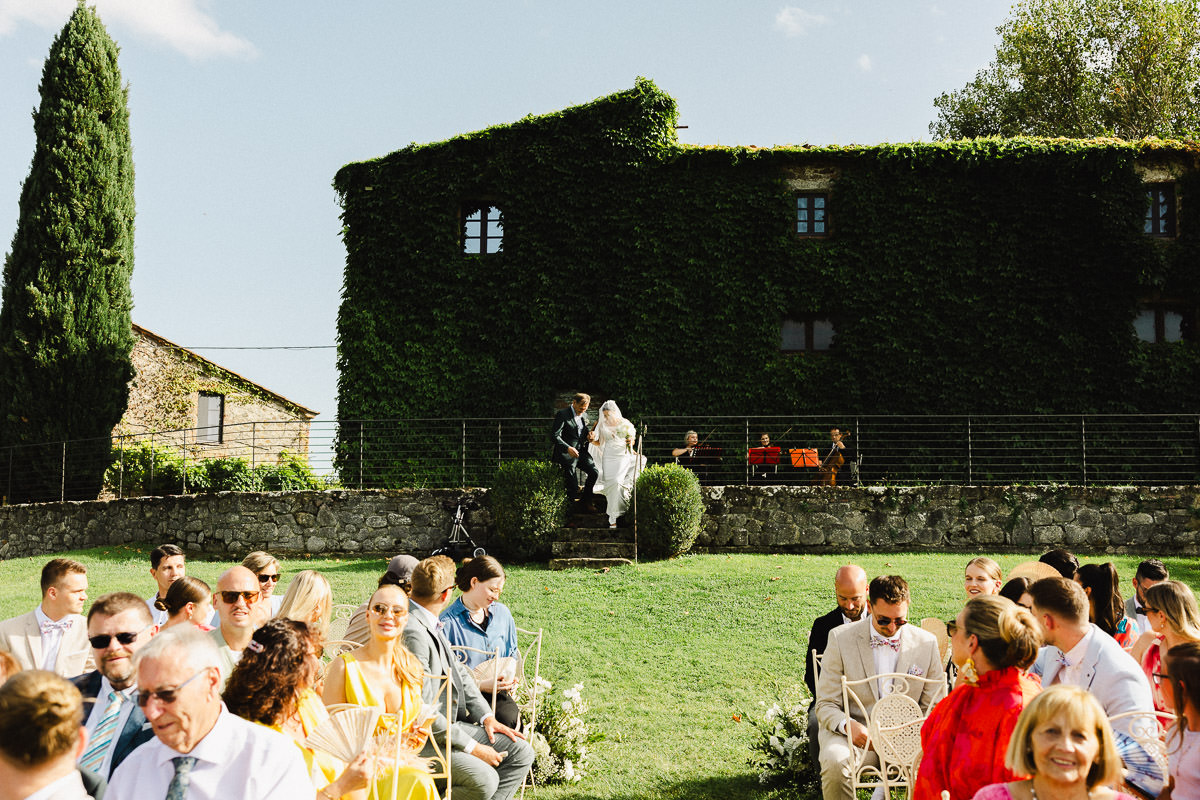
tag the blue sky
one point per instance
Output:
(243, 111)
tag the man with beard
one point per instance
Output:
(118, 624)
(850, 590)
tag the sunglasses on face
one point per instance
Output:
(1148, 609)
(167, 696)
(383, 610)
(885, 622)
(951, 627)
(272, 578)
(101, 640)
(231, 598)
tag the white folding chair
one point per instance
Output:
(460, 652)
(531, 652)
(1148, 729)
(339, 621)
(816, 665)
(893, 731)
(441, 751)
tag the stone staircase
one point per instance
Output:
(587, 542)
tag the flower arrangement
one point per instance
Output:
(780, 746)
(560, 738)
(626, 431)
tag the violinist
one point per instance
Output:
(690, 440)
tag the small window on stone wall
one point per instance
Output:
(483, 229)
(1160, 212)
(811, 219)
(806, 335)
(1159, 322)
(210, 418)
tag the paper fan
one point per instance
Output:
(346, 733)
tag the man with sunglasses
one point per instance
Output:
(201, 751)
(882, 643)
(237, 606)
(118, 625)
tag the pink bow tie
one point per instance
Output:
(879, 641)
(65, 625)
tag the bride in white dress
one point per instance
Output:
(613, 452)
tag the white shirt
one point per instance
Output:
(127, 706)
(236, 760)
(160, 616)
(51, 640)
(69, 785)
(1071, 674)
(885, 659)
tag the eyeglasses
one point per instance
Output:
(951, 627)
(272, 578)
(885, 622)
(1161, 676)
(102, 640)
(383, 610)
(231, 598)
(167, 696)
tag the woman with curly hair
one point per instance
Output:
(272, 685)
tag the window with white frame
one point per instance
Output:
(210, 418)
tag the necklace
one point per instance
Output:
(1033, 791)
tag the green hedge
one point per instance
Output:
(528, 503)
(670, 508)
(145, 469)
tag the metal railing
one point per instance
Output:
(1089, 449)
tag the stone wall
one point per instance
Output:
(1162, 520)
(1159, 520)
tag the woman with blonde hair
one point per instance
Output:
(964, 739)
(982, 577)
(1174, 617)
(188, 600)
(308, 599)
(1063, 741)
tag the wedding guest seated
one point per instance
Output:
(489, 759)
(398, 573)
(273, 686)
(266, 569)
(200, 750)
(882, 643)
(1062, 560)
(1181, 687)
(188, 601)
(167, 565)
(1014, 589)
(54, 635)
(240, 610)
(41, 736)
(964, 739)
(1149, 572)
(1174, 618)
(308, 599)
(1105, 606)
(1064, 742)
(119, 625)
(981, 577)
(850, 594)
(1080, 654)
(478, 619)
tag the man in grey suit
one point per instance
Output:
(1080, 654)
(882, 643)
(483, 766)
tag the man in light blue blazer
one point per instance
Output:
(1080, 654)
(483, 765)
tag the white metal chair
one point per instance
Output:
(339, 621)
(1148, 729)
(938, 628)
(893, 731)
(531, 652)
(816, 665)
(460, 652)
(441, 751)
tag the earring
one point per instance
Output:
(968, 672)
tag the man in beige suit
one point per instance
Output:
(53, 636)
(882, 643)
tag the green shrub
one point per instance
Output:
(669, 510)
(143, 469)
(528, 502)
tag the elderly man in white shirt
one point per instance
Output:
(201, 751)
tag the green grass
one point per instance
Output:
(668, 652)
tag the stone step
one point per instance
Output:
(587, 563)
(602, 533)
(594, 549)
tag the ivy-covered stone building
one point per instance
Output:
(588, 249)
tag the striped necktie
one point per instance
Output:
(182, 777)
(104, 734)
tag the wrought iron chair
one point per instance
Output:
(893, 731)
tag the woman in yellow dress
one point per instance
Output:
(384, 675)
(272, 685)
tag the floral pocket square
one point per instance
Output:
(917, 671)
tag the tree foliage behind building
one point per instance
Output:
(1084, 68)
(65, 324)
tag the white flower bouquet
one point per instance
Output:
(560, 738)
(626, 431)
(780, 745)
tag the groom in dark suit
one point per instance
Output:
(570, 437)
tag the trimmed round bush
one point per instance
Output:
(529, 505)
(669, 510)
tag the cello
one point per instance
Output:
(827, 472)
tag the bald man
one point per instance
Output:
(237, 601)
(850, 591)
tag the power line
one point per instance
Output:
(314, 347)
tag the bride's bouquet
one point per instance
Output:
(626, 431)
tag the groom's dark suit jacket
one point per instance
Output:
(136, 731)
(566, 434)
(817, 640)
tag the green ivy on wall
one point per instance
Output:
(985, 276)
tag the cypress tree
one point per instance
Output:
(65, 325)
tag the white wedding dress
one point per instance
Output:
(618, 469)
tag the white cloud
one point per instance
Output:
(864, 62)
(796, 21)
(179, 24)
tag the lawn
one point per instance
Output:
(668, 652)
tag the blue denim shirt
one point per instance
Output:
(461, 631)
